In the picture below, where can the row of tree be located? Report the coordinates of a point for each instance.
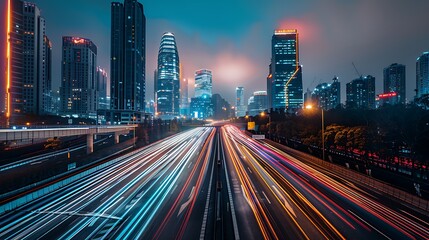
(389, 131)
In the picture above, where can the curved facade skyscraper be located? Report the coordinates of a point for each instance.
(168, 81)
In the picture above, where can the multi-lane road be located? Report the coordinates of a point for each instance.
(212, 183)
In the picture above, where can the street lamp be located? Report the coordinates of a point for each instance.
(323, 130)
(269, 123)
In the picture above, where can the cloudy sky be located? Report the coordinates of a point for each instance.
(233, 37)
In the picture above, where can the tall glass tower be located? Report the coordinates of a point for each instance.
(422, 75)
(168, 78)
(240, 107)
(284, 84)
(128, 56)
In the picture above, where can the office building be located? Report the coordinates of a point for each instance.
(240, 107)
(168, 78)
(221, 108)
(201, 107)
(257, 103)
(184, 97)
(422, 75)
(394, 82)
(284, 82)
(127, 60)
(78, 78)
(203, 83)
(361, 93)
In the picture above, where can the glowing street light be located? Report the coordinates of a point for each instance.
(309, 107)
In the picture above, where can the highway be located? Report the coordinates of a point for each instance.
(123, 200)
(295, 201)
(212, 183)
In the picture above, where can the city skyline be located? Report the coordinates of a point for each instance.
(240, 49)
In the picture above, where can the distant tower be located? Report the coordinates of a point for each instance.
(422, 75)
(394, 81)
(327, 95)
(168, 82)
(102, 89)
(240, 107)
(203, 83)
(78, 77)
(128, 57)
(284, 83)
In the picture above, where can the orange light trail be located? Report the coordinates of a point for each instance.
(8, 60)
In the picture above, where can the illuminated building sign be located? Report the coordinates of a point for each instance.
(285, 31)
(78, 40)
(387, 95)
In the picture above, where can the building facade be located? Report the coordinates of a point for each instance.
(128, 58)
(394, 81)
(203, 83)
(184, 97)
(168, 78)
(28, 70)
(78, 78)
(240, 107)
(257, 103)
(422, 75)
(360, 93)
(221, 108)
(284, 82)
(327, 95)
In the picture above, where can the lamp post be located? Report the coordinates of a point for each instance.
(323, 130)
(269, 123)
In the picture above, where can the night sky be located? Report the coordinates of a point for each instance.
(233, 38)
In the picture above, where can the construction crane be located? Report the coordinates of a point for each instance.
(357, 72)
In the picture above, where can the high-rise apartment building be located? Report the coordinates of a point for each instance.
(394, 81)
(203, 83)
(168, 78)
(284, 83)
(422, 75)
(28, 70)
(361, 93)
(78, 78)
(128, 59)
(327, 95)
(240, 107)
(184, 97)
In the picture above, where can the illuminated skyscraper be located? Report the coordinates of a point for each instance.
(28, 61)
(394, 81)
(128, 58)
(240, 107)
(168, 82)
(203, 83)
(257, 103)
(78, 78)
(284, 83)
(101, 77)
(422, 75)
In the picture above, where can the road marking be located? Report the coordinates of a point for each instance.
(206, 210)
(34, 163)
(189, 164)
(184, 205)
(266, 197)
(249, 170)
(286, 203)
(384, 235)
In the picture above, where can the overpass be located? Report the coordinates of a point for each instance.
(64, 131)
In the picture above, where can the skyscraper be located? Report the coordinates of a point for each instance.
(203, 83)
(327, 95)
(168, 82)
(128, 58)
(184, 96)
(422, 75)
(14, 76)
(240, 107)
(361, 93)
(394, 81)
(78, 78)
(101, 76)
(284, 83)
